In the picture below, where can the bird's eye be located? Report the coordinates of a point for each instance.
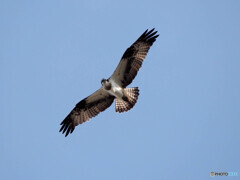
(102, 81)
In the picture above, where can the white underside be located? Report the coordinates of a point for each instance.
(116, 90)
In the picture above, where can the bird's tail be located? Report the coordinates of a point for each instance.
(128, 101)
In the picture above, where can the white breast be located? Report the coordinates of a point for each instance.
(116, 90)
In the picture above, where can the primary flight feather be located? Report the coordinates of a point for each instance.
(113, 87)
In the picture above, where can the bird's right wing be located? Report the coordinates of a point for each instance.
(86, 109)
(133, 58)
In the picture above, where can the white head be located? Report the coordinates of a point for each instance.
(106, 84)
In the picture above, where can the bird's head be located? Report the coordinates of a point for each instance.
(103, 81)
(106, 84)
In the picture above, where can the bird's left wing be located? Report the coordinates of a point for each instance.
(86, 109)
(133, 57)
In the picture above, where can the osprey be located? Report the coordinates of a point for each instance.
(113, 87)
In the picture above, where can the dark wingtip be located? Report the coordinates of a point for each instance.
(67, 126)
(149, 36)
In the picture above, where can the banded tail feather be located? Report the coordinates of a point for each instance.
(131, 99)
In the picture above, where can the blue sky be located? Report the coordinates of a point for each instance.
(55, 53)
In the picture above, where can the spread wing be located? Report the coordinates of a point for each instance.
(86, 109)
(133, 57)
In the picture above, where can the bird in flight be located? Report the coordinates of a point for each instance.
(113, 87)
